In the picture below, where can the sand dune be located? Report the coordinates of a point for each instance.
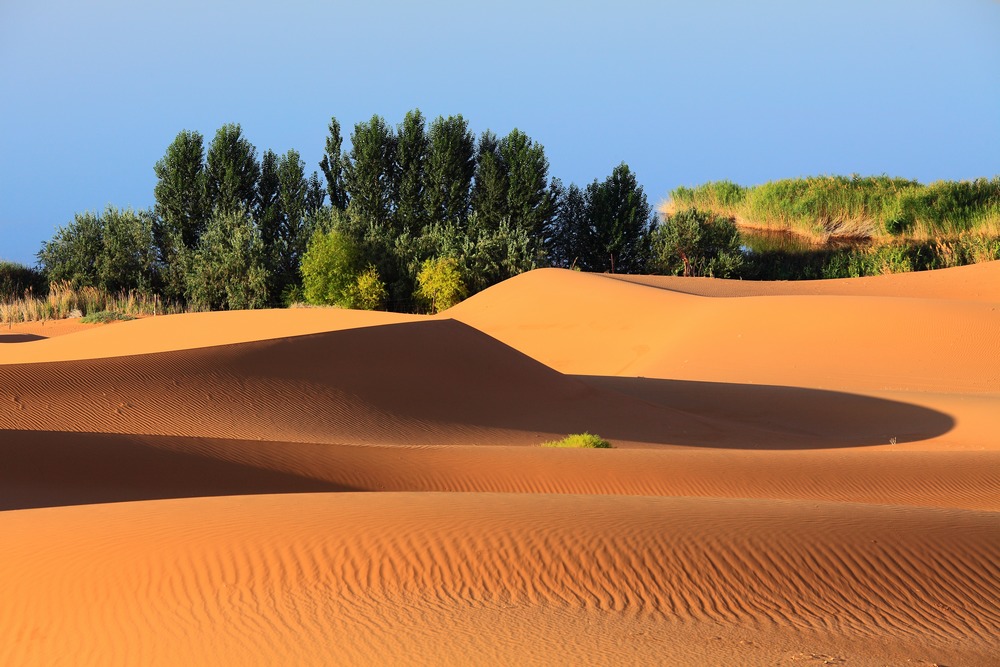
(805, 474)
(328, 578)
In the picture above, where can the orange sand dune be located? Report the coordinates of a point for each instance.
(805, 474)
(323, 579)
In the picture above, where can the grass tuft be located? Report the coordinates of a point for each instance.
(579, 441)
(105, 316)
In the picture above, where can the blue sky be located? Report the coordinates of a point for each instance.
(92, 93)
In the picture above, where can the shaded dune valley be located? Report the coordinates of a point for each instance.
(802, 474)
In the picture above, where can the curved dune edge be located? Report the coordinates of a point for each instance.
(975, 282)
(325, 578)
(434, 382)
(187, 331)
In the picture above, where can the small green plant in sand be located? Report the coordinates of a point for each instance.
(105, 316)
(579, 441)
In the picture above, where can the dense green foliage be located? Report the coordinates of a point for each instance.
(579, 441)
(113, 251)
(16, 280)
(439, 284)
(696, 243)
(329, 268)
(856, 206)
(229, 270)
(604, 228)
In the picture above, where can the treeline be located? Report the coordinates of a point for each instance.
(876, 207)
(230, 229)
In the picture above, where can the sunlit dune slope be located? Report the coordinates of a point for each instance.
(586, 324)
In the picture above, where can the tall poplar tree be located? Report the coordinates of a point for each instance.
(370, 173)
(232, 171)
(569, 229)
(411, 157)
(489, 193)
(268, 207)
(293, 193)
(182, 209)
(528, 199)
(619, 217)
(332, 166)
(450, 167)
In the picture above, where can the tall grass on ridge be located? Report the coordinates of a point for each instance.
(855, 206)
(64, 301)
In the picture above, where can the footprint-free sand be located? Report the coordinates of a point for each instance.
(804, 473)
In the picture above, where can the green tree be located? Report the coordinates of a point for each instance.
(450, 167)
(618, 217)
(528, 198)
(411, 156)
(332, 166)
(439, 284)
(370, 173)
(71, 254)
(17, 279)
(232, 171)
(315, 195)
(128, 256)
(268, 207)
(569, 230)
(113, 251)
(291, 239)
(489, 192)
(229, 270)
(697, 243)
(181, 209)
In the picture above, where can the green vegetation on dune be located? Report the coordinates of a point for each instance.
(579, 441)
(855, 206)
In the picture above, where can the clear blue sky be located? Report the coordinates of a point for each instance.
(91, 93)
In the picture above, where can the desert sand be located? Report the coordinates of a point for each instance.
(803, 474)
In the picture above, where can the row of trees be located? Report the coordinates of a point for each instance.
(229, 230)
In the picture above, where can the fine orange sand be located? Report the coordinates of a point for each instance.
(804, 474)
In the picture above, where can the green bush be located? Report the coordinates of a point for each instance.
(579, 441)
(368, 291)
(17, 279)
(696, 243)
(329, 269)
(439, 284)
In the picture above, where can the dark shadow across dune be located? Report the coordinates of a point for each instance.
(431, 382)
(48, 469)
(19, 338)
